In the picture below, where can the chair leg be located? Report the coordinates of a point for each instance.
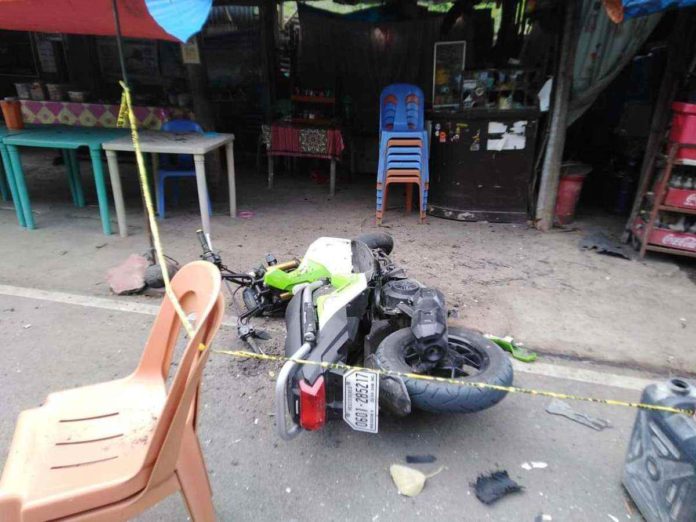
(421, 203)
(77, 177)
(193, 478)
(409, 197)
(160, 196)
(71, 174)
(177, 191)
(380, 212)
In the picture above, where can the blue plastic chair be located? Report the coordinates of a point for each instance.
(401, 118)
(176, 165)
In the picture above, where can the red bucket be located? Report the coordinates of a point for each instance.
(684, 128)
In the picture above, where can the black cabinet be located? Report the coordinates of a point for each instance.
(481, 164)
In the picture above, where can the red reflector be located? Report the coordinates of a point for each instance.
(312, 404)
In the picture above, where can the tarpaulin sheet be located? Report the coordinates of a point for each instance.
(619, 10)
(154, 19)
(604, 48)
(359, 58)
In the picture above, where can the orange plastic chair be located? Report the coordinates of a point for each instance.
(409, 177)
(109, 451)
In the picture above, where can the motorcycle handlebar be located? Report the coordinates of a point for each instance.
(203, 240)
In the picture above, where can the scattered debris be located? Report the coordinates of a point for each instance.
(613, 517)
(558, 407)
(495, 486)
(420, 459)
(409, 481)
(129, 276)
(515, 349)
(534, 465)
(245, 214)
(288, 490)
(604, 245)
(543, 517)
(26, 326)
(100, 245)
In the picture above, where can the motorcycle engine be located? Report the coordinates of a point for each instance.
(398, 291)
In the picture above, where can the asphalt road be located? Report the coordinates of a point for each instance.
(334, 474)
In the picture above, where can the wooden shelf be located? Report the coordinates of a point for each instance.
(300, 98)
(680, 210)
(665, 250)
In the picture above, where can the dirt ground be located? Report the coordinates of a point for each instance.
(502, 278)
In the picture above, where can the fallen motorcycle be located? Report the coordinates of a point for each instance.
(350, 304)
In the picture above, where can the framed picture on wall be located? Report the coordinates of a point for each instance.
(448, 66)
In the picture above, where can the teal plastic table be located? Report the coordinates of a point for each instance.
(68, 139)
(6, 177)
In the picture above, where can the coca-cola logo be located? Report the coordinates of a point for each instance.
(690, 200)
(685, 242)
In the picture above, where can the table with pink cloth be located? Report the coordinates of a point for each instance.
(284, 138)
(96, 114)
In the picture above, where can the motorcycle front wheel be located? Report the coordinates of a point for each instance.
(471, 358)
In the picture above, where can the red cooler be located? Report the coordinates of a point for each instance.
(684, 128)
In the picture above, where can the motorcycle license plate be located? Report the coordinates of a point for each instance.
(360, 400)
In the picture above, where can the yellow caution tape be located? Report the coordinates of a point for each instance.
(127, 109)
(457, 382)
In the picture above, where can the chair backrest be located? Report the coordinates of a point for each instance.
(179, 161)
(197, 286)
(182, 126)
(402, 108)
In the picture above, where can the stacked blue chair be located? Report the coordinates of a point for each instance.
(176, 165)
(403, 146)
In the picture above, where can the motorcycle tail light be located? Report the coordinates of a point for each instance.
(312, 404)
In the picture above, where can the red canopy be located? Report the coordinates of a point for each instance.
(81, 17)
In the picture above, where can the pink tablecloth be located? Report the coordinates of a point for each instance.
(95, 114)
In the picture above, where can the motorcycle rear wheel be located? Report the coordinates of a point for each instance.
(485, 363)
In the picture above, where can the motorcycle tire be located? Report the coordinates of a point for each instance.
(380, 240)
(443, 397)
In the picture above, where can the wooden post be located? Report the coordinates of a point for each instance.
(268, 34)
(551, 170)
(198, 86)
(204, 113)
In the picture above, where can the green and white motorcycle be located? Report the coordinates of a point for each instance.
(347, 302)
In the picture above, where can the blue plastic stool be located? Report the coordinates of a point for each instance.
(182, 165)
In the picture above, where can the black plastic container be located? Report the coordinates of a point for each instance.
(660, 468)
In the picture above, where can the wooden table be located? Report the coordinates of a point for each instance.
(157, 142)
(68, 139)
